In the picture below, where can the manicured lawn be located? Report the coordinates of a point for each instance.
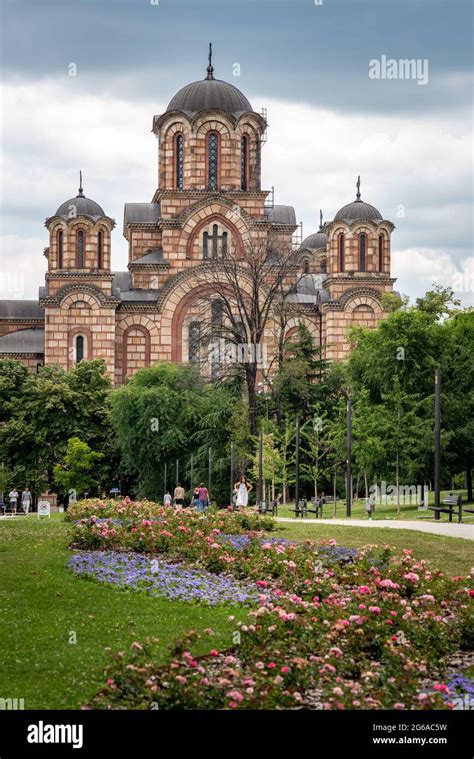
(41, 603)
(384, 511)
(453, 555)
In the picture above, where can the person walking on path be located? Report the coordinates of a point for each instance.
(13, 496)
(179, 495)
(167, 500)
(243, 490)
(26, 500)
(195, 498)
(203, 500)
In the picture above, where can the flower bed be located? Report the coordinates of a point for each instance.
(161, 579)
(336, 627)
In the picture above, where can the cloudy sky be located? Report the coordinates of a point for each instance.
(306, 61)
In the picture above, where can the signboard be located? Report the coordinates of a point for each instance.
(44, 509)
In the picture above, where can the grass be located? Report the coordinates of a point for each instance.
(455, 556)
(41, 604)
(385, 511)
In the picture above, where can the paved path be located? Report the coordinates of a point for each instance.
(449, 530)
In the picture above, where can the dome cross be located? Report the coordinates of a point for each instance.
(210, 68)
(81, 191)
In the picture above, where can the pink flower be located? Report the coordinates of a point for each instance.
(374, 609)
(441, 688)
(285, 670)
(214, 652)
(411, 576)
(364, 589)
(271, 665)
(399, 705)
(259, 665)
(235, 695)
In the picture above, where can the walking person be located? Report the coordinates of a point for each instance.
(243, 490)
(167, 500)
(26, 500)
(195, 498)
(179, 495)
(13, 496)
(203, 500)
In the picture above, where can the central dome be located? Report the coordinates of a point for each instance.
(209, 93)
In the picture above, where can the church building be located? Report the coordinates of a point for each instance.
(209, 200)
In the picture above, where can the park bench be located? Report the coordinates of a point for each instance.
(301, 510)
(317, 509)
(272, 508)
(451, 503)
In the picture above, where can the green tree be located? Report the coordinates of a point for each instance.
(75, 473)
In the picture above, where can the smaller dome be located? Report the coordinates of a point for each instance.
(83, 206)
(315, 241)
(358, 210)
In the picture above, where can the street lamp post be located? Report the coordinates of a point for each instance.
(349, 459)
(232, 467)
(437, 443)
(297, 466)
(209, 478)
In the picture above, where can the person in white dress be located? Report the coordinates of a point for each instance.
(243, 489)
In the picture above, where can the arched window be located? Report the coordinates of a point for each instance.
(215, 240)
(179, 157)
(100, 250)
(60, 248)
(194, 338)
(323, 266)
(79, 348)
(362, 251)
(380, 252)
(341, 252)
(80, 249)
(217, 310)
(244, 148)
(306, 266)
(215, 245)
(212, 161)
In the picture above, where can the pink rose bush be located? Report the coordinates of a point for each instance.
(335, 627)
